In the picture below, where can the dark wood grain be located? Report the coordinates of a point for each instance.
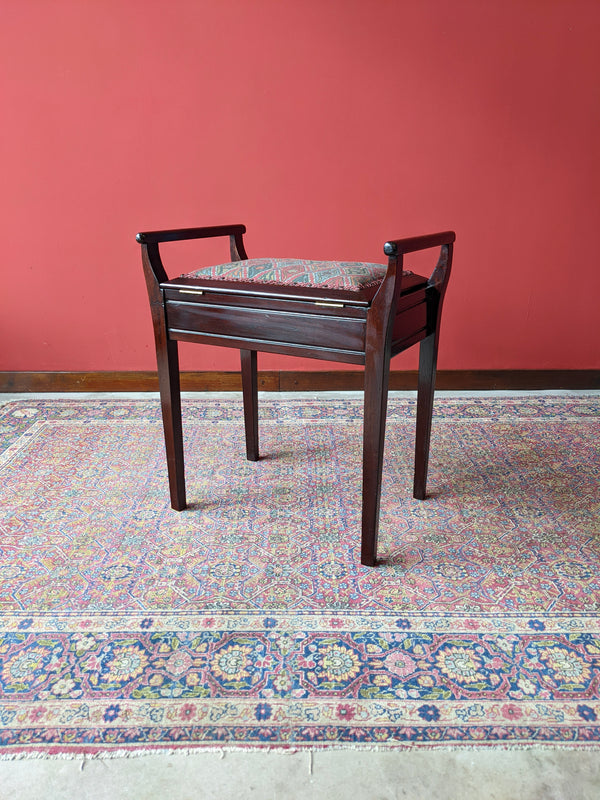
(242, 324)
(168, 376)
(428, 351)
(182, 234)
(293, 381)
(250, 395)
(383, 323)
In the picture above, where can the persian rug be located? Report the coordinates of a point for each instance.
(248, 621)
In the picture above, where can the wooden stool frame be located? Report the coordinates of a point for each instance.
(367, 327)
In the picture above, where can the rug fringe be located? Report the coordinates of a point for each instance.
(276, 750)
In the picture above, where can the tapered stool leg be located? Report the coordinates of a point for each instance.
(377, 370)
(426, 389)
(170, 398)
(250, 394)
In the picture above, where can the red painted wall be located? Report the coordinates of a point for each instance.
(327, 127)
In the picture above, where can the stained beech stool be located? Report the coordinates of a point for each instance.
(354, 312)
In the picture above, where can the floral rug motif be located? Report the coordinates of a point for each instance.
(248, 621)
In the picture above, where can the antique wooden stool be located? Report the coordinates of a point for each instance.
(354, 312)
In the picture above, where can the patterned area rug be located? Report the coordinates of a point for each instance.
(247, 620)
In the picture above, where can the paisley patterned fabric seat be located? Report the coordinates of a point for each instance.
(348, 275)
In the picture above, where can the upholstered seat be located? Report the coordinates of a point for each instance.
(349, 311)
(350, 275)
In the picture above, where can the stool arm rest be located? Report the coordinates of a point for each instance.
(390, 289)
(398, 247)
(179, 234)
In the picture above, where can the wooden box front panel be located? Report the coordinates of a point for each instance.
(314, 329)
